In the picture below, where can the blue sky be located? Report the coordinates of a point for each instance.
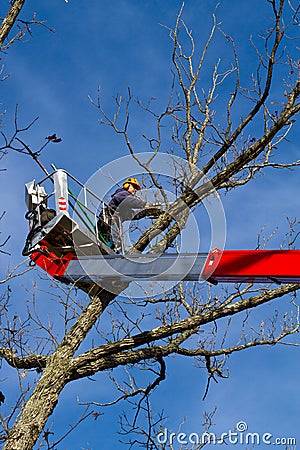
(116, 45)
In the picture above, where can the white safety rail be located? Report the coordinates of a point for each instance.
(76, 214)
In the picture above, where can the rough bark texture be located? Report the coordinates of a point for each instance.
(10, 19)
(178, 319)
(61, 368)
(56, 375)
(39, 406)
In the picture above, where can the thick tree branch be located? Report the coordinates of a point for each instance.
(91, 364)
(195, 129)
(189, 325)
(10, 19)
(26, 362)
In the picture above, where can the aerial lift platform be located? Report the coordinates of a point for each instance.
(73, 251)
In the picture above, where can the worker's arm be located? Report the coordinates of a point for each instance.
(134, 202)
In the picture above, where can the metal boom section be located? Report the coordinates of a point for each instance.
(70, 251)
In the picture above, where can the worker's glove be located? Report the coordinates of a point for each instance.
(154, 205)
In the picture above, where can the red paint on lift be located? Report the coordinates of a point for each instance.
(54, 265)
(228, 266)
(253, 265)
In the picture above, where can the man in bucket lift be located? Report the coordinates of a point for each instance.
(122, 207)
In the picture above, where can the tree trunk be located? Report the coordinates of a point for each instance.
(39, 406)
(56, 375)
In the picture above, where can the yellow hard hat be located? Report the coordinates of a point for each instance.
(132, 181)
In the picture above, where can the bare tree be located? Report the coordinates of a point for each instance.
(231, 156)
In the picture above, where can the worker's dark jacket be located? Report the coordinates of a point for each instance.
(124, 204)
